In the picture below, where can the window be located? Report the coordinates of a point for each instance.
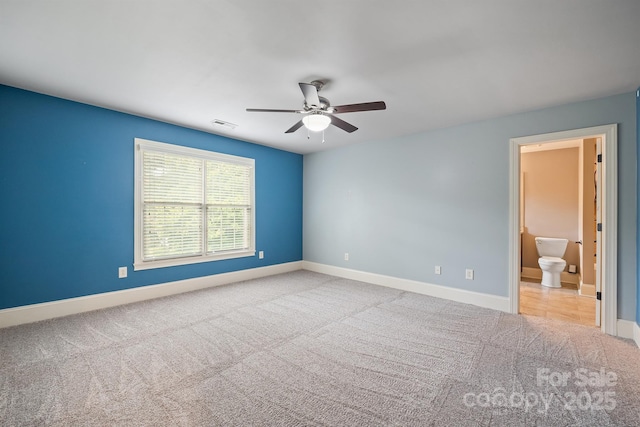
(191, 205)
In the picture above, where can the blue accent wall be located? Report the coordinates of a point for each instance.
(66, 192)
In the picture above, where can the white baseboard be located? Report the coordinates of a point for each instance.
(49, 310)
(625, 329)
(454, 294)
(636, 334)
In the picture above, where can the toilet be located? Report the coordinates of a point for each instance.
(551, 251)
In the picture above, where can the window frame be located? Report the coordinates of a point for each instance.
(141, 145)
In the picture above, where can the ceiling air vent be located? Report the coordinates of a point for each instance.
(222, 123)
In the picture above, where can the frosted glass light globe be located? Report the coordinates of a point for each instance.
(316, 122)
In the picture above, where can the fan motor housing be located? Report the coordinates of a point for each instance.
(324, 104)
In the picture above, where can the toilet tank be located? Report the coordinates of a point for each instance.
(550, 246)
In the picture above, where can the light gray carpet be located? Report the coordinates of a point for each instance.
(309, 349)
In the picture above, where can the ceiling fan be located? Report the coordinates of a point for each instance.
(319, 113)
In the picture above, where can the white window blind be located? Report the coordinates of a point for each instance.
(228, 207)
(191, 205)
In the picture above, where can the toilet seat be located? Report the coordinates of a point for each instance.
(550, 260)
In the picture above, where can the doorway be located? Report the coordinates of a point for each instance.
(558, 200)
(607, 237)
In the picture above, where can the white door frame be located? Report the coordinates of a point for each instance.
(599, 193)
(609, 234)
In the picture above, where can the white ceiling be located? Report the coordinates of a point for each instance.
(435, 63)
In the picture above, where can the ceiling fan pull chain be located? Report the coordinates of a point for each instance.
(308, 135)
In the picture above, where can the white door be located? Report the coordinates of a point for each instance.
(598, 177)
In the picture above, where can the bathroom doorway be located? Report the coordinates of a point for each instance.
(598, 273)
(556, 178)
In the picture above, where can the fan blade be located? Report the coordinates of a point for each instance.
(294, 127)
(343, 125)
(266, 110)
(310, 95)
(365, 106)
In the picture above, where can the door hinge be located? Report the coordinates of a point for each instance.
(599, 158)
(599, 226)
(599, 296)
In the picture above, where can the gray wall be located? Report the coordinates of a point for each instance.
(401, 206)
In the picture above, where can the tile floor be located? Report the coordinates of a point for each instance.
(557, 303)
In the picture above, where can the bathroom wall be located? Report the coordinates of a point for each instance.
(550, 201)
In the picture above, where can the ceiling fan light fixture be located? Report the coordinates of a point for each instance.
(316, 122)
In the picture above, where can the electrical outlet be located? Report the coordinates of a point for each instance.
(122, 272)
(346, 256)
(261, 254)
(438, 270)
(469, 274)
